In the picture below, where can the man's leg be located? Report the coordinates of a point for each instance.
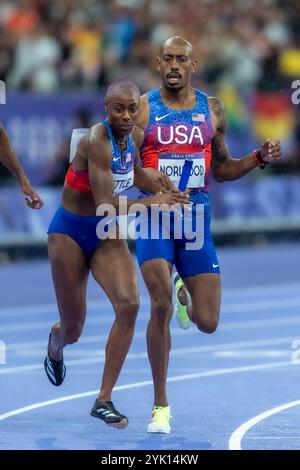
(113, 268)
(205, 300)
(157, 276)
(197, 284)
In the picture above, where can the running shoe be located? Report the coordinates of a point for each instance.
(180, 309)
(106, 411)
(161, 416)
(55, 370)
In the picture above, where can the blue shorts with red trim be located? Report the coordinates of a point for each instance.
(81, 228)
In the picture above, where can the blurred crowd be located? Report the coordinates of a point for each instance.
(249, 51)
(51, 44)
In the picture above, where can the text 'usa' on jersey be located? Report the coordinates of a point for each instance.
(174, 135)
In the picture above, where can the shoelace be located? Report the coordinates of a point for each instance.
(111, 407)
(158, 408)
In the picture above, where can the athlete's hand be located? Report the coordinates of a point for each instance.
(270, 151)
(160, 180)
(170, 197)
(33, 200)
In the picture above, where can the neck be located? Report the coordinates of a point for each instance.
(183, 97)
(119, 137)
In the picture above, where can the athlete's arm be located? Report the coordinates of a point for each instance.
(225, 168)
(101, 178)
(147, 179)
(9, 159)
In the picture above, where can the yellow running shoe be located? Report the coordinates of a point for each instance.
(180, 310)
(161, 416)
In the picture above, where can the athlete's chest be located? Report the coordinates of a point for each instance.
(189, 129)
(122, 167)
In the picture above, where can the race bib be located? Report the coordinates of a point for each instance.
(172, 165)
(123, 181)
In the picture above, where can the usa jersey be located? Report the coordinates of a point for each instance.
(174, 135)
(122, 165)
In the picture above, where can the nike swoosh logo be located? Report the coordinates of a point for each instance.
(115, 159)
(159, 118)
(215, 265)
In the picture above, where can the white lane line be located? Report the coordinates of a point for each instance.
(260, 323)
(99, 356)
(270, 289)
(264, 290)
(41, 309)
(237, 436)
(224, 326)
(104, 319)
(252, 353)
(263, 305)
(177, 378)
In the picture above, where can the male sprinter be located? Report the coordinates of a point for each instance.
(182, 123)
(9, 159)
(105, 161)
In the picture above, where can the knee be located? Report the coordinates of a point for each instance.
(208, 326)
(126, 311)
(72, 334)
(161, 309)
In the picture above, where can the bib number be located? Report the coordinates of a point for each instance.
(172, 166)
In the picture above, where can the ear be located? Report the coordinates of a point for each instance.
(194, 65)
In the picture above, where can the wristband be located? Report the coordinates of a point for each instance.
(258, 159)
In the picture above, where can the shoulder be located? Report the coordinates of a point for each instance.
(97, 132)
(215, 105)
(97, 136)
(2, 130)
(138, 135)
(143, 116)
(144, 100)
(96, 145)
(217, 111)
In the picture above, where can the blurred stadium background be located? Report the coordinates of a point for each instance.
(57, 57)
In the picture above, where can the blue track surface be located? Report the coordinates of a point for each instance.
(217, 382)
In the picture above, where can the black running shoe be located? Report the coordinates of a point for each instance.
(106, 411)
(55, 370)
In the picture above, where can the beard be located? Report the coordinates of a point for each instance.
(173, 88)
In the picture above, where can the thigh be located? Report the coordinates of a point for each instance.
(154, 249)
(70, 270)
(157, 276)
(191, 262)
(113, 268)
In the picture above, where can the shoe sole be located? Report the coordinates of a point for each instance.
(119, 425)
(159, 431)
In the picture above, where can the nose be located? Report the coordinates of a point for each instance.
(126, 116)
(174, 64)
